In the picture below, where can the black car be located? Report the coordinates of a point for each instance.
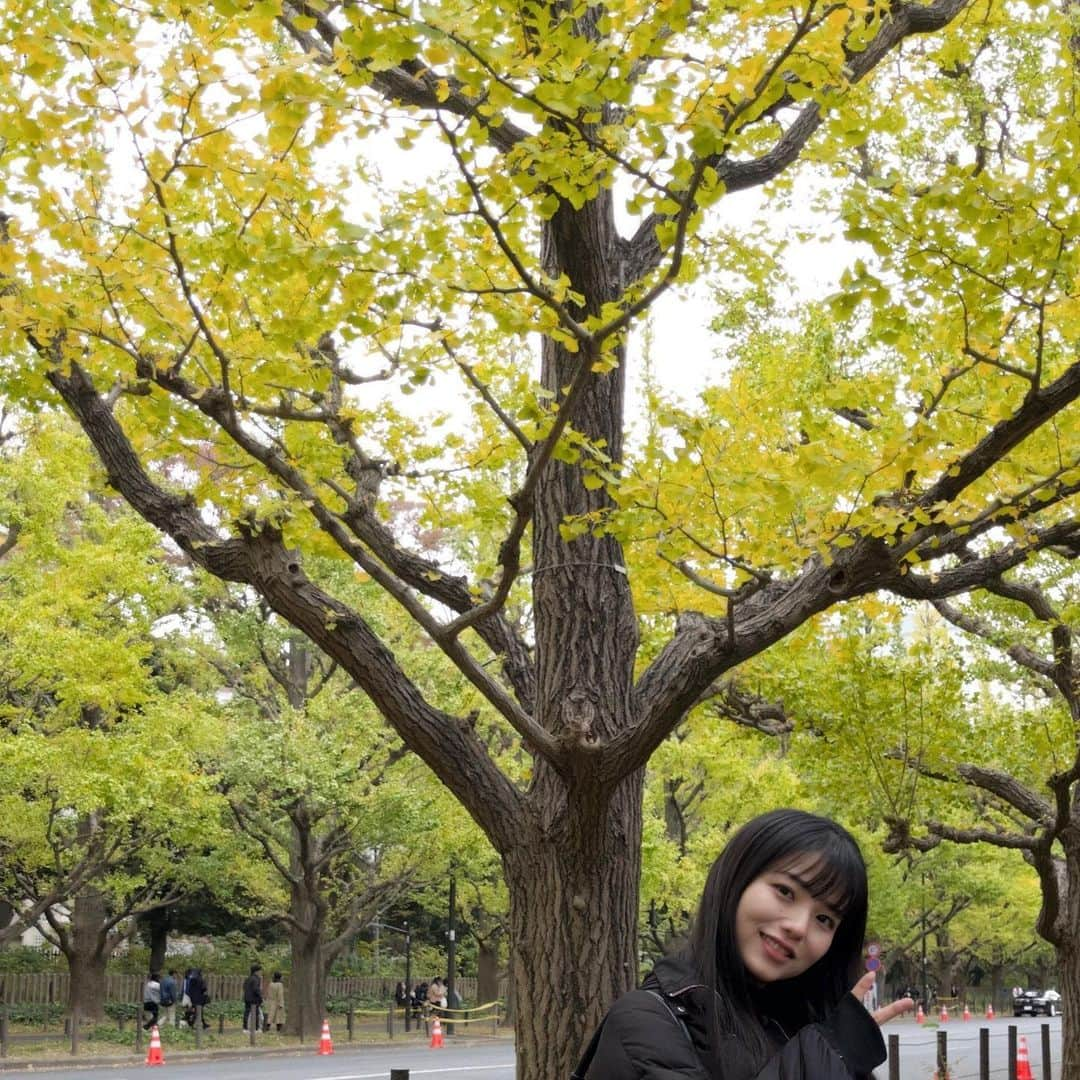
(1036, 1003)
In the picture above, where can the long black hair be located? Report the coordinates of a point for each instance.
(769, 842)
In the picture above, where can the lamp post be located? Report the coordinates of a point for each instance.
(925, 988)
(451, 951)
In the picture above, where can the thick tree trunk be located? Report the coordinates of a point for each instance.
(1069, 961)
(86, 998)
(1068, 955)
(305, 993)
(573, 916)
(157, 932)
(573, 874)
(487, 973)
(85, 952)
(7, 913)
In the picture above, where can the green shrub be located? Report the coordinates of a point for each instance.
(19, 958)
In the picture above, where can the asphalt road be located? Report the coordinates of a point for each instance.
(495, 1060)
(918, 1047)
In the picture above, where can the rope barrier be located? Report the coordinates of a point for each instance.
(486, 1019)
(475, 1008)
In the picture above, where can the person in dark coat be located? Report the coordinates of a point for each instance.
(768, 985)
(198, 996)
(253, 998)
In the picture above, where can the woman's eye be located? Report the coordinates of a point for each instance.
(784, 890)
(827, 921)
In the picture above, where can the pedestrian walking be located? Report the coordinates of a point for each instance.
(198, 997)
(275, 1014)
(252, 998)
(768, 984)
(170, 990)
(151, 1000)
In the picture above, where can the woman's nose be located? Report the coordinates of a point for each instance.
(796, 922)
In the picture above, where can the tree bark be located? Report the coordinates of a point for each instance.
(157, 931)
(487, 973)
(305, 992)
(1067, 948)
(559, 882)
(85, 948)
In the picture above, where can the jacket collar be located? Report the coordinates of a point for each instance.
(674, 976)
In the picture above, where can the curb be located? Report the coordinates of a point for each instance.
(183, 1057)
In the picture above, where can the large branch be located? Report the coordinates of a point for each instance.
(1021, 654)
(258, 558)
(903, 21)
(702, 649)
(397, 571)
(409, 83)
(1039, 406)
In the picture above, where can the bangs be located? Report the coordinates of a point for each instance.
(831, 875)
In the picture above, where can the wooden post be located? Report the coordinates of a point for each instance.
(349, 1021)
(390, 1022)
(74, 1021)
(198, 1027)
(1012, 1052)
(253, 1023)
(984, 1053)
(1047, 1075)
(221, 1024)
(942, 1054)
(3, 1030)
(894, 1057)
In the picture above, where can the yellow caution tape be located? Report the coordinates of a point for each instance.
(472, 1009)
(470, 1020)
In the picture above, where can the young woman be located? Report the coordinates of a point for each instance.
(768, 986)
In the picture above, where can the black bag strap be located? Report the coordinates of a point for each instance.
(594, 1042)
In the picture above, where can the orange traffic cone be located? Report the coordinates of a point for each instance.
(920, 1016)
(989, 1010)
(967, 1012)
(436, 1033)
(1023, 1066)
(326, 1044)
(943, 1017)
(154, 1055)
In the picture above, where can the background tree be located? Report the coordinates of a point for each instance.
(1011, 768)
(216, 294)
(316, 782)
(101, 800)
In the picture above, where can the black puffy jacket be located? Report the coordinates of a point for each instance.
(660, 1032)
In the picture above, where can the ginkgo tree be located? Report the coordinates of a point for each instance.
(320, 790)
(104, 811)
(203, 258)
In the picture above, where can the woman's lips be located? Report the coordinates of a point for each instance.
(776, 949)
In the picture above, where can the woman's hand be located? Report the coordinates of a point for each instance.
(886, 1012)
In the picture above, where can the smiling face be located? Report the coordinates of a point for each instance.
(781, 928)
